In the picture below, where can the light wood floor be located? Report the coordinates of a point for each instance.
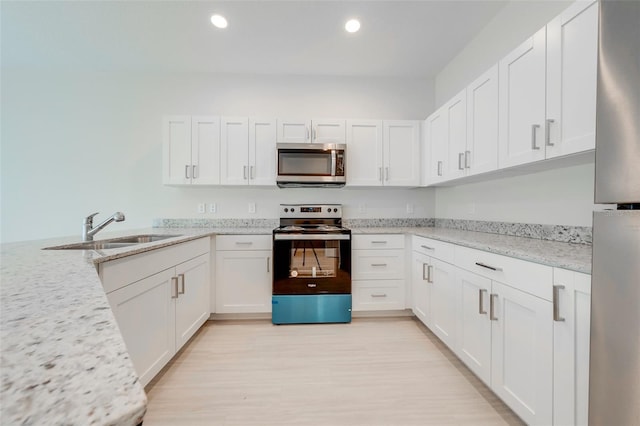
(374, 371)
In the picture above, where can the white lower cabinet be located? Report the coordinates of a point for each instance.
(444, 302)
(158, 313)
(243, 273)
(571, 329)
(421, 288)
(378, 264)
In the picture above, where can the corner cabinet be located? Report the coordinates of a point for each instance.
(191, 150)
(383, 153)
(159, 299)
(243, 274)
(247, 151)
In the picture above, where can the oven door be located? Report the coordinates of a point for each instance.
(311, 264)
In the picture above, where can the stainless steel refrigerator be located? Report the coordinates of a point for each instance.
(614, 371)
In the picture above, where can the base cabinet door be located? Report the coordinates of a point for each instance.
(192, 304)
(145, 314)
(421, 290)
(474, 328)
(522, 353)
(444, 302)
(571, 330)
(243, 281)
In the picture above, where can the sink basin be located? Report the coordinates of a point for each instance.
(113, 242)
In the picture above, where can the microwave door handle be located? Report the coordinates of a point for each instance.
(333, 162)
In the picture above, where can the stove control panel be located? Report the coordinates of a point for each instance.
(310, 211)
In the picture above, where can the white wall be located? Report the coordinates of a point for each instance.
(75, 143)
(563, 196)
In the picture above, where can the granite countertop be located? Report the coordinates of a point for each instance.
(575, 257)
(62, 358)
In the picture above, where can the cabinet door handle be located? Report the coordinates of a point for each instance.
(174, 287)
(386, 173)
(379, 295)
(439, 168)
(460, 157)
(268, 264)
(181, 290)
(556, 303)
(380, 174)
(467, 159)
(306, 133)
(244, 172)
(481, 310)
(493, 268)
(194, 171)
(425, 269)
(186, 172)
(252, 172)
(429, 273)
(314, 134)
(534, 128)
(378, 264)
(547, 131)
(492, 303)
(427, 247)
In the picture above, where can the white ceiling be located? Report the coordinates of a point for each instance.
(397, 38)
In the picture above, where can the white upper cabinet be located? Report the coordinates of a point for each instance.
(401, 152)
(248, 151)
(481, 154)
(262, 151)
(522, 103)
(456, 112)
(548, 89)
(436, 128)
(364, 152)
(383, 153)
(316, 131)
(191, 150)
(572, 56)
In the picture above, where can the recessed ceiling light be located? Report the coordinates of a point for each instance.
(219, 21)
(352, 25)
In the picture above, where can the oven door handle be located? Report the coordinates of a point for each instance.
(324, 237)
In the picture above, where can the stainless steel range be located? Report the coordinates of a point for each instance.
(311, 265)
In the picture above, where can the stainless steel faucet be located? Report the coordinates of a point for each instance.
(88, 231)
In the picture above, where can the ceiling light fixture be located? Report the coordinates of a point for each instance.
(352, 25)
(219, 21)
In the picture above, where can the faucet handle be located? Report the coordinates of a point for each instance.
(89, 219)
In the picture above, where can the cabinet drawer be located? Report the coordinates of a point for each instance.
(244, 242)
(529, 277)
(378, 295)
(378, 241)
(377, 264)
(434, 248)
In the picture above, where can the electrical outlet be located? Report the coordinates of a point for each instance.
(212, 208)
(252, 207)
(362, 208)
(201, 208)
(409, 208)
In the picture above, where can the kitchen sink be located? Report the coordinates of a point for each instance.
(113, 242)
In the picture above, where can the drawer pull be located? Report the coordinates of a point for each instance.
(378, 242)
(492, 303)
(244, 242)
(493, 268)
(427, 247)
(378, 264)
(312, 285)
(379, 295)
(481, 310)
(556, 303)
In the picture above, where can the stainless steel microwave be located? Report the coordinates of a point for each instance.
(311, 164)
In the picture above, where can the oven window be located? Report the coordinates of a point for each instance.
(314, 259)
(304, 163)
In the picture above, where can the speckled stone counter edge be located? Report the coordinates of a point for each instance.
(561, 233)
